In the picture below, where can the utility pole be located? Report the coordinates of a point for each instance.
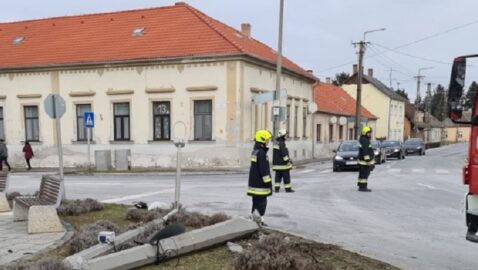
(398, 85)
(358, 105)
(390, 77)
(277, 102)
(361, 51)
(417, 99)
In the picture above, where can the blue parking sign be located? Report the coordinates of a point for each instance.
(89, 119)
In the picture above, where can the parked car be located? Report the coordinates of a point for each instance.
(379, 152)
(414, 146)
(346, 156)
(394, 149)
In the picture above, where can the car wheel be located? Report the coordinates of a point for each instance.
(379, 161)
(335, 169)
(400, 156)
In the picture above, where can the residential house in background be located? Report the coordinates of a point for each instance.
(150, 76)
(456, 133)
(335, 118)
(383, 102)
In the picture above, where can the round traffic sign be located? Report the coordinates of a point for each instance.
(52, 101)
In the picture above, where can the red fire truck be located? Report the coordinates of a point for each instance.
(456, 100)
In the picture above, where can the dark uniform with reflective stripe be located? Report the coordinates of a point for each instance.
(366, 161)
(260, 181)
(281, 164)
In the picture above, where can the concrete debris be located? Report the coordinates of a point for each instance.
(234, 248)
(157, 205)
(175, 246)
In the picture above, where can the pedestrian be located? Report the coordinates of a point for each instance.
(4, 155)
(260, 181)
(366, 159)
(281, 162)
(28, 152)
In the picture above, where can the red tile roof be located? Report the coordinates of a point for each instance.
(169, 32)
(334, 100)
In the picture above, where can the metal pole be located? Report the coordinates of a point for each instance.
(359, 88)
(278, 69)
(88, 135)
(58, 142)
(178, 177)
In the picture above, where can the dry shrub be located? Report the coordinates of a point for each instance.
(195, 219)
(79, 207)
(88, 235)
(276, 253)
(13, 195)
(46, 264)
(134, 214)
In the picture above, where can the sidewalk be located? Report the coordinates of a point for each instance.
(16, 243)
(162, 171)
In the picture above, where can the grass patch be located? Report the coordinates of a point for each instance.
(112, 212)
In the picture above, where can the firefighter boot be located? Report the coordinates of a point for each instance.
(276, 189)
(289, 190)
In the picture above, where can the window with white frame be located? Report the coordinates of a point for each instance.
(161, 121)
(304, 122)
(296, 121)
(203, 120)
(32, 132)
(121, 121)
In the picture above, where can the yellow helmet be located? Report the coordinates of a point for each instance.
(263, 135)
(366, 130)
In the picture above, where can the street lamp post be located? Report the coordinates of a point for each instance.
(361, 51)
(277, 101)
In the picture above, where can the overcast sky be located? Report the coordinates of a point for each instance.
(318, 33)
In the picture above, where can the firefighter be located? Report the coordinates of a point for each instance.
(366, 159)
(260, 181)
(281, 162)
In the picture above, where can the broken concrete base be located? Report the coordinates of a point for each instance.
(43, 219)
(20, 212)
(4, 206)
(180, 244)
(80, 260)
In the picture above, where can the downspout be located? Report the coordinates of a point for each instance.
(314, 136)
(389, 120)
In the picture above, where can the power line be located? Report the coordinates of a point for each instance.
(413, 42)
(413, 56)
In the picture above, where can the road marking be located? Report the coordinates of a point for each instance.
(427, 186)
(326, 171)
(418, 170)
(137, 196)
(394, 170)
(441, 171)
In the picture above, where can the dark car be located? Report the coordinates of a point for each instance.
(394, 149)
(346, 156)
(414, 146)
(379, 152)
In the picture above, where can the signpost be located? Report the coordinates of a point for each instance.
(89, 123)
(55, 108)
(179, 142)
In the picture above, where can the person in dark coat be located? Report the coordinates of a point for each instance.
(4, 155)
(366, 159)
(260, 181)
(28, 152)
(281, 162)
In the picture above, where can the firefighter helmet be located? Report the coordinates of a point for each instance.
(282, 132)
(366, 130)
(262, 136)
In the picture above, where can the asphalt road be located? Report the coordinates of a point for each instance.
(413, 218)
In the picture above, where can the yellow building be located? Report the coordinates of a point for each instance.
(383, 102)
(150, 76)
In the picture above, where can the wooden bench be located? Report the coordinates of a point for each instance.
(4, 206)
(40, 210)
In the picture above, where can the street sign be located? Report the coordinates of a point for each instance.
(89, 118)
(269, 96)
(52, 101)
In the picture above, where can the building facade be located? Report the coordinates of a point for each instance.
(335, 118)
(383, 102)
(198, 89)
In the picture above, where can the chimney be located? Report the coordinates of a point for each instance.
(354, 68)
(328, 80)
(310, 71)
(370, 72)
(246, 29)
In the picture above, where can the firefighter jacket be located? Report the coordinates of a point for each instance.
(280, 156)
(260, 181)
(366, 153)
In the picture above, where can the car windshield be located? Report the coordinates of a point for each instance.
(348, 147)
(412, 142)
(375, 144)
(391, 143)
